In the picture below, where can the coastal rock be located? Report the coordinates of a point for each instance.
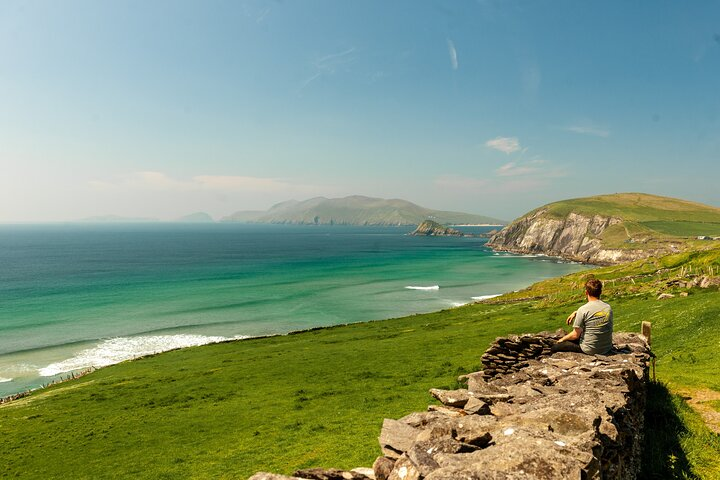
(434, 229)
(573, 237)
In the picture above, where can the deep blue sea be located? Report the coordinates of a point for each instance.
(74, 296)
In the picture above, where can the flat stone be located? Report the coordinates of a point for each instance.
(396, 437)
(449, 411)
(451, 398)
(476, 406)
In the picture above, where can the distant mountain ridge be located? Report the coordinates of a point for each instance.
(610, 229)
(356, 210)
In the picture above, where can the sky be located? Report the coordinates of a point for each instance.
(164, 108)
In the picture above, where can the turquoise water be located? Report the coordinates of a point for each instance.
(74, 296)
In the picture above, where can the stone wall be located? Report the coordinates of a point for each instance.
(529, 415)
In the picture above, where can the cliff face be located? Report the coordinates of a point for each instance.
(574, 237)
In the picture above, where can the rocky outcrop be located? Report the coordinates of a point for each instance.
(430, 228)
(530, 415)
(574, 237)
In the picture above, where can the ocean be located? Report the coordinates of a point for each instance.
(74, 296)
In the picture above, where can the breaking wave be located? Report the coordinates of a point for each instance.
(485, 297)
(432, 287)
(116, 350)
(4, 380)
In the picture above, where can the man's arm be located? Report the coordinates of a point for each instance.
(574, 335)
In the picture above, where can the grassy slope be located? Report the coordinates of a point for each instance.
(644, 215)
(318, 398)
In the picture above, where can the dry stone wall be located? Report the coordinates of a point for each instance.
(530, 414)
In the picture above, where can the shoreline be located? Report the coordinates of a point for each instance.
(79, 373)
(73, 374)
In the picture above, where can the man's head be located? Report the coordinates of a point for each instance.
(593, 288)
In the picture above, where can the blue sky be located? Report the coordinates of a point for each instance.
(162, 108)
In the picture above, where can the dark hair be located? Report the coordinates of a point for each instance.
(594, 287)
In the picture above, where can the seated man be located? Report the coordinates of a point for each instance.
(592, 325)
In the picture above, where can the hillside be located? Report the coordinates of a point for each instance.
(611, 229)
(356, 210)
(317, 398)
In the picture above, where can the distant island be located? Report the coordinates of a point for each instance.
(434, 229)
(357, 210)
(197, 217)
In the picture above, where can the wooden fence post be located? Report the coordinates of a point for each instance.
(646, 331)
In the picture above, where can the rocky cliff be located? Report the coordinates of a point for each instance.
(430, 228)
(575, 237)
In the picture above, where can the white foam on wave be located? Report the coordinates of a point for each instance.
(116, 350)
(485, 297)
(458, 304)
(5, 380)
(432, 287)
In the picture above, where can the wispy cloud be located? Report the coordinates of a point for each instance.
(453, 54)
(512, 169)
(588, 130)
(504, 144)
(328, 65)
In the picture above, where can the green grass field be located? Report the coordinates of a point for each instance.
(318, 398)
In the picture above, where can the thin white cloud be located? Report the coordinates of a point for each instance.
(588, 130)
(504, 144)
(513, 170)
(328, 65)
(453, 54)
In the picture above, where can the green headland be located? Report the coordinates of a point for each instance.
(317, 398)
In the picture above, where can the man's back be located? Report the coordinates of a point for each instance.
(596, 320)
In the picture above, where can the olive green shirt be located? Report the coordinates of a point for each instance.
(596, 320)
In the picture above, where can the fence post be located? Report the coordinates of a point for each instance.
(646, 331)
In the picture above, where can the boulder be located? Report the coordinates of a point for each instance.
(382, 467)
(404, 469)
(396, 437)
(475, 406)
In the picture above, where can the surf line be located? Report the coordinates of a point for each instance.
(432, 287)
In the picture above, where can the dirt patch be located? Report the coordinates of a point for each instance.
(700, 400)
